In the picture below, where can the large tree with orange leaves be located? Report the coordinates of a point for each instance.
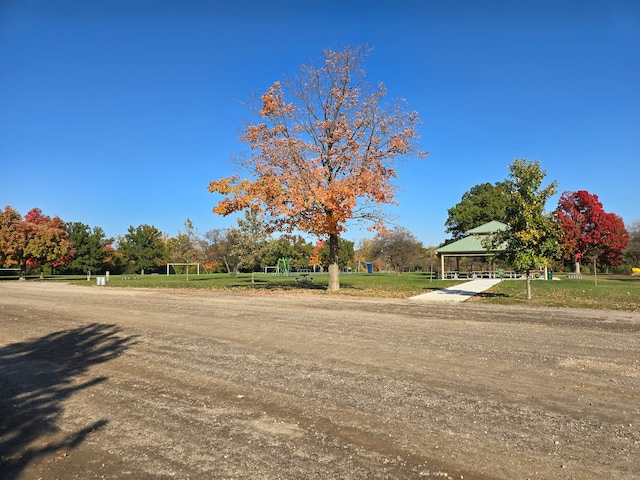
(323, 153)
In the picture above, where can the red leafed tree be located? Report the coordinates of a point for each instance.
(323, 153)
(34, 240)
(588, 232)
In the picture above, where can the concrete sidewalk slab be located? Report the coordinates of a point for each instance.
(458, 293)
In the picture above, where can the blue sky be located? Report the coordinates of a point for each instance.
(119, 112)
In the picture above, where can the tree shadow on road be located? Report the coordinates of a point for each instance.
(491, 295)
(36, 377)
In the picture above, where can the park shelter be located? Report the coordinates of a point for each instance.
(472, 244)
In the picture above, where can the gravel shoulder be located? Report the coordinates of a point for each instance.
(101, 382)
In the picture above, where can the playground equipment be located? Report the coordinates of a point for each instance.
(282, 270)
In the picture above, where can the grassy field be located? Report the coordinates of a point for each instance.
(611, 292)
(374, 285)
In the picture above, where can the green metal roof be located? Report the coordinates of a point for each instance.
(491, 227)
(472, 244)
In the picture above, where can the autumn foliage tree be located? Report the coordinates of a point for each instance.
(322, 153)
(588, 232)
(32, 241)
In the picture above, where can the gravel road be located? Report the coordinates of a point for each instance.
(101, 382)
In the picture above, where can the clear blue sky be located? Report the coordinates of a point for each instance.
(119, 112)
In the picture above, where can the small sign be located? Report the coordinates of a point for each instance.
(501, 272)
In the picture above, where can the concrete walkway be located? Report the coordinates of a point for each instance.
(458, 293)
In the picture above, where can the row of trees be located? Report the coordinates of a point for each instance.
(75, 248)
(584, 230)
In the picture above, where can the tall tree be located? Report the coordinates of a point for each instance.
(33, 241)
(144, 248)
(632, 251)
(531, 237)
(12, 240)
(481, 204)
(323, 153)
(588, 233)
(398, 248)
(615, 240)
(90, 246)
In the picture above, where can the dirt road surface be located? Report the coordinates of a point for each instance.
(100, 382)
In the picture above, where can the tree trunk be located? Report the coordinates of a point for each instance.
(334, 269)
(23, 271)
(577, 267)
(528, 285)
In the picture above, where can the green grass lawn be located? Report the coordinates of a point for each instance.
(611, 292)
(374, 285)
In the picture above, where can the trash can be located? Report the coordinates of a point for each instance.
(101, 281)
(550, 275)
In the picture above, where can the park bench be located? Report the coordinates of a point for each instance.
(133, 276)
(575, 276)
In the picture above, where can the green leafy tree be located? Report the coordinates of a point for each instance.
(253, 240)
(531, 239)
(144, 247)
(91, 249)
(481, 204)
(632, 252)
